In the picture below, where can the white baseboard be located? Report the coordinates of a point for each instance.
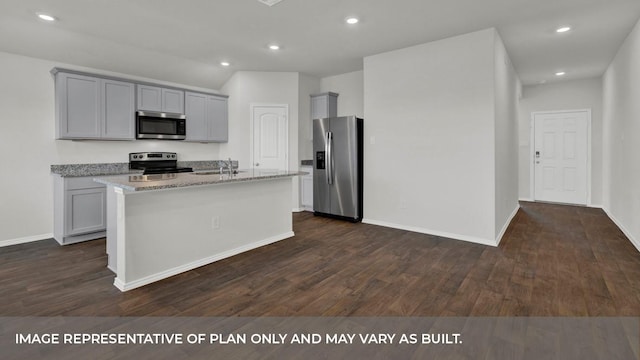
(24, 240)
(596, 206)
(467, 238)
(624, 230)
(126, 286)
(506, 225)
(295, 210)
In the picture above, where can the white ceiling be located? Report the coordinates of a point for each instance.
(184, 40)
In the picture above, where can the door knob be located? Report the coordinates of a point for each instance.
(257, 164)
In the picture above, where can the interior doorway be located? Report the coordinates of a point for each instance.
(270, 136)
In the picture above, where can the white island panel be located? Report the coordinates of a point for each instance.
(163, 233)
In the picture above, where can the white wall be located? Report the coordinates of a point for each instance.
(429, 138)
(507, 88)
(350, 87)
(308, 85)
(27, 132)
(621, 137)
(565, 95)
(256, 87)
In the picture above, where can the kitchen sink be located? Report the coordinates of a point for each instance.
(217, 172)
(214, 172)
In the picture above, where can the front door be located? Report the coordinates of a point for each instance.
(560, 157)
(270, 129)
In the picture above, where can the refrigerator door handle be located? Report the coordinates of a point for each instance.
(329, 159)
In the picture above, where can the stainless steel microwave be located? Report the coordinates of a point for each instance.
(158, 125)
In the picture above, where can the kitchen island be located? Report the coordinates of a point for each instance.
(162, 225)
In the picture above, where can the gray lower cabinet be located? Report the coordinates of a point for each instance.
(306, 188)
(94, 108)
(80, 209)
(207, 117)
(155, 98)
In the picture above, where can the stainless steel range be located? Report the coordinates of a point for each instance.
(156, 163)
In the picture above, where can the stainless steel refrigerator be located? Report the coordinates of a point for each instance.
(337, 167)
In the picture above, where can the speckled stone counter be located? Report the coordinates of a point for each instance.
(139, 182)
(74, 170)
(207, 165)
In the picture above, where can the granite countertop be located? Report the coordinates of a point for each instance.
(137, 182)
(75, 170)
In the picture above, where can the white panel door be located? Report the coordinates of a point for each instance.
(270, 128)
(560, 157)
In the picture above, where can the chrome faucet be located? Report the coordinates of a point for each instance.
(230, 167)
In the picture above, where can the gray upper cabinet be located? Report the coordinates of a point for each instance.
(149, 98)
(196, 112)
(118, 111)
(155, 98)
(93, 108)
(217, 113)
(207, 117)
(324, 105)
(173, 101)
(78, 104)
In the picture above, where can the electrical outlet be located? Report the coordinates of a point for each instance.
(215, 222)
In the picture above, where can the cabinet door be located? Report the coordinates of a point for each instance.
(324, 105)
(149, 98)
(196, 112)
(319, 107)
(218, 119)
(85, 211)
(173, 101)
(307, 191)
(118, 121)
(78, 102)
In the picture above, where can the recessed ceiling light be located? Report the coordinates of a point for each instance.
(270, 2)
(225, 63)
(352, 20)
(563, 29)
(46, 17)
(274, 47)
(560, 73)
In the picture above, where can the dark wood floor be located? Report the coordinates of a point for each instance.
(553, 261)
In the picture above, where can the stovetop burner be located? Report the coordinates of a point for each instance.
(156, 163)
